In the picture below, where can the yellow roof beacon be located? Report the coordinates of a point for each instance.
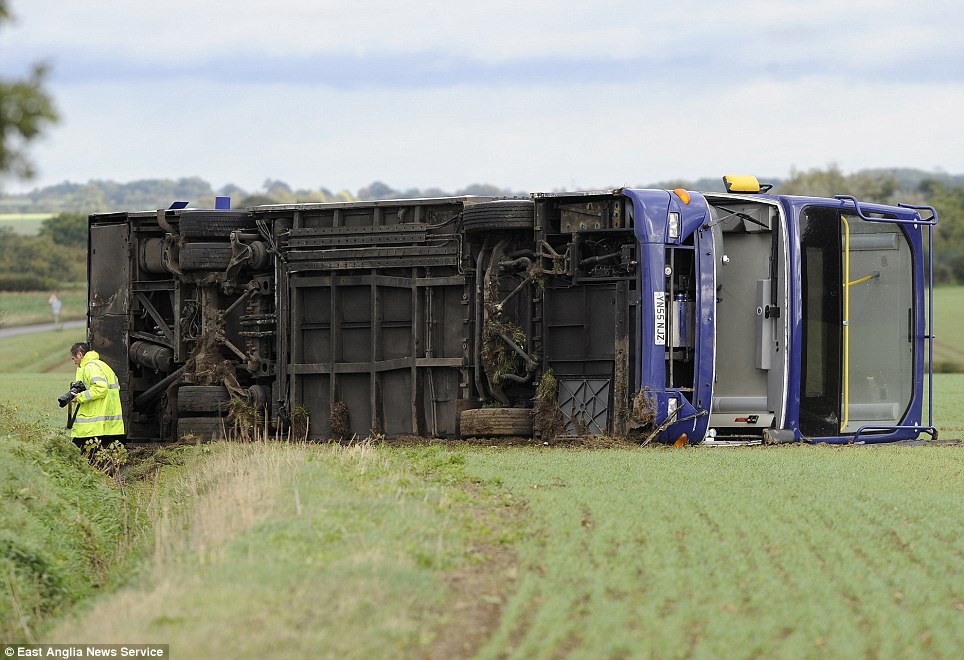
(744, 184)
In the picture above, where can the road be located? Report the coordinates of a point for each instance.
(43, 327)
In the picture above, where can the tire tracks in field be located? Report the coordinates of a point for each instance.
(914, 537)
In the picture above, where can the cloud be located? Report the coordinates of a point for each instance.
(441, 69)
(530, 95)
(540, 138)
(370, 43)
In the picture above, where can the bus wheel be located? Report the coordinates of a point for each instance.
(491, 422)
(202, 398)
(203, 428)
(204, 224)
(204, 256)
(498, 215)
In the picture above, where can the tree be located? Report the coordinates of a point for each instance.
(256, 200)
(68, 229)
(25, 111)
(949, 235)
(865, 186)
(40, 257)
(278, 190)
(232, 191)
(482, 189)
(377, 190)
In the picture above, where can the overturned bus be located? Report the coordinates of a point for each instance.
(670, 316)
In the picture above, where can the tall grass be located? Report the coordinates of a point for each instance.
(290, 550)
(61, 526)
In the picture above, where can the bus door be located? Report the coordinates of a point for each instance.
(749, 392)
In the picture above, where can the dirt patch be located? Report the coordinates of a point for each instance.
(479, 591)
(144, 459)
(478, 595)
(644, 411)
(642, 418)
(586, 442)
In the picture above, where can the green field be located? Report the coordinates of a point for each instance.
(776, 553)
(279, 550)
(40, 352)
(949, 326)
(27, 224)
(32, 307)
(315, 550)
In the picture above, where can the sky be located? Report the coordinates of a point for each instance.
(531, 95)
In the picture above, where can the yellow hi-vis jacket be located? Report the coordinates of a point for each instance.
(99, 406)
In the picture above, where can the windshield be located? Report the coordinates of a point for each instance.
(857, 302)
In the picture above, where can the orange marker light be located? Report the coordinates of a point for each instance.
(683, 195)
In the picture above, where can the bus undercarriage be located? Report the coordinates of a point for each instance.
(646, 314)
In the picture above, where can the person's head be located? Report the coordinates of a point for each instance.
(78, 350)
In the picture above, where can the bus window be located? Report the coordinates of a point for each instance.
(880, 351)
(861, 377)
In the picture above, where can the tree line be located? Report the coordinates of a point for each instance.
(98, 196)
(58, 252)
(56, 256)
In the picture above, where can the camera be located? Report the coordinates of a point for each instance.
(76, 387)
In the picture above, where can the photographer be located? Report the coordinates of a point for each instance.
(95, 407)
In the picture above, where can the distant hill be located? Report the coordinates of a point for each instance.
(97, 196)
(102, 196)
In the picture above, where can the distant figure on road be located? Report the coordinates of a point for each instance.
(55, 305)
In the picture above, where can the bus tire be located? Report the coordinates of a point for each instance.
(202, 428)
(493, 422)
(202, 399)
(498, 215)
(204, 256)
(219, 224)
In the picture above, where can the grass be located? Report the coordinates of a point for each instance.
(786, 552)
(288, 550)
(301, 550)
(282, 550)
(948, 414)
(949, 326)
(35, 397)
(31, 307)
(27, 224)
(39, 352)
(61, 526)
